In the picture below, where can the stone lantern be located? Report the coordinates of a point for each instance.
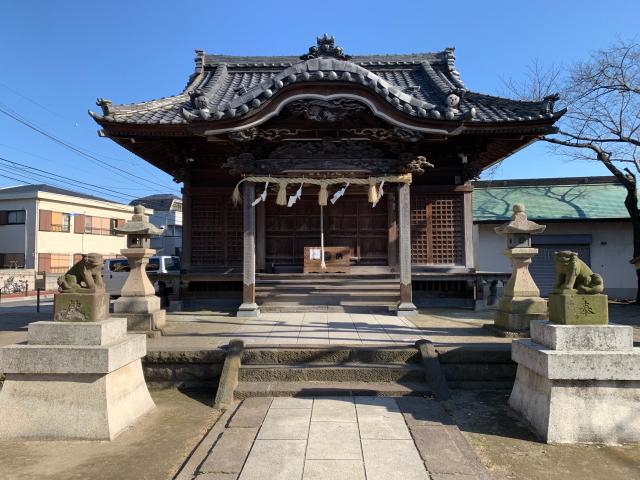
(138, 301)
(521, 300)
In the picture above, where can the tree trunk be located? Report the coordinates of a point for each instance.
(631, 202)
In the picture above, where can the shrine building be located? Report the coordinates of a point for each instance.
(302, 169)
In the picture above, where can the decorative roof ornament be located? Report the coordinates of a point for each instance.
(549, 103)
(325, 48)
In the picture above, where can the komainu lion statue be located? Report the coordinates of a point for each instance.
(572, 274)
(84, 277)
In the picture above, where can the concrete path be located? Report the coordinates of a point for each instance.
(328, 329)
(355, 438)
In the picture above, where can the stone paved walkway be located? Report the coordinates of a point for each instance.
(336, 438)
(328, 329)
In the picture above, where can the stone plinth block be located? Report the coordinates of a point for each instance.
(248, 310)
(142, 313)
(577, 365)
(587, 390)
(406, 309)
(146, 304)
(87, 391)
(582, 337)
(146, 322)
(578, 309)
(102, 332)
(516, 313)
(73, 406)
(72, 359)
(80, 307)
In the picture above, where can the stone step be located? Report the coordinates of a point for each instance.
(341, 372)
(307, 389)
(328, 355)
(333, 299)
(342, 289)
(293, 307)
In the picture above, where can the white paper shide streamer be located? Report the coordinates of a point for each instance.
(263, 196)
(339, 194)
(295, 197)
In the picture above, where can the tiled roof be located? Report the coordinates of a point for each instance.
(224, 87)
(158, 202)
(597, 198)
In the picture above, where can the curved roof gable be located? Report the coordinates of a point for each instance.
(425, 86)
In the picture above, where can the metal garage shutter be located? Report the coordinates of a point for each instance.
(543, 269)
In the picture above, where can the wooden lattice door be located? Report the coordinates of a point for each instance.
(437, 229)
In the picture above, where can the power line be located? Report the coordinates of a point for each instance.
(55, 176)
(87, 171)
(19, 118)
(74, 183)
(94, 199)
(19, 94)
(15, 92)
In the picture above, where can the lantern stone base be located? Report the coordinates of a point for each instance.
(143, 314)
(514, 314)
(73, 381)
(80, 307)
(248, 310)
(579, 384)
(406, 309)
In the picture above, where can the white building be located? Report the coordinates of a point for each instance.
(167, 214)
(583, 214)
(48, 228)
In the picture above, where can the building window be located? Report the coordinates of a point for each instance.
(12, 217)
(11, 260)
(173, 231)
(101, 225)
(176, 207)
(15, 217)
(53, 262)
(54, 221)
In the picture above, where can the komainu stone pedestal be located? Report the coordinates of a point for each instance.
(73, 381)
(578, 309)
(579, 383)
(80, 307)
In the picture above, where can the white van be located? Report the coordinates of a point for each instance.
(116, 270)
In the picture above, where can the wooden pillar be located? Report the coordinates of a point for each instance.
(469, 261)
(249, 308)
(406, 306)
(260, 237)
(392, 224)
(185, 257)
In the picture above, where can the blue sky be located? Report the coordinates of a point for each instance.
(56, 57)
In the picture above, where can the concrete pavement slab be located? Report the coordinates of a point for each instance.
(333, 470)
(392, 460)
(292, 402)
(334, 441)
(275, 460)
(438, 450)
(285, 424)
(251, 413)
(230, 451)
(336, 409)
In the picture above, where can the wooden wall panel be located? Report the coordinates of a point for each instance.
(216, 229)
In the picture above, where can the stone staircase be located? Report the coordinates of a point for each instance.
(327, 293)
(339, 370)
